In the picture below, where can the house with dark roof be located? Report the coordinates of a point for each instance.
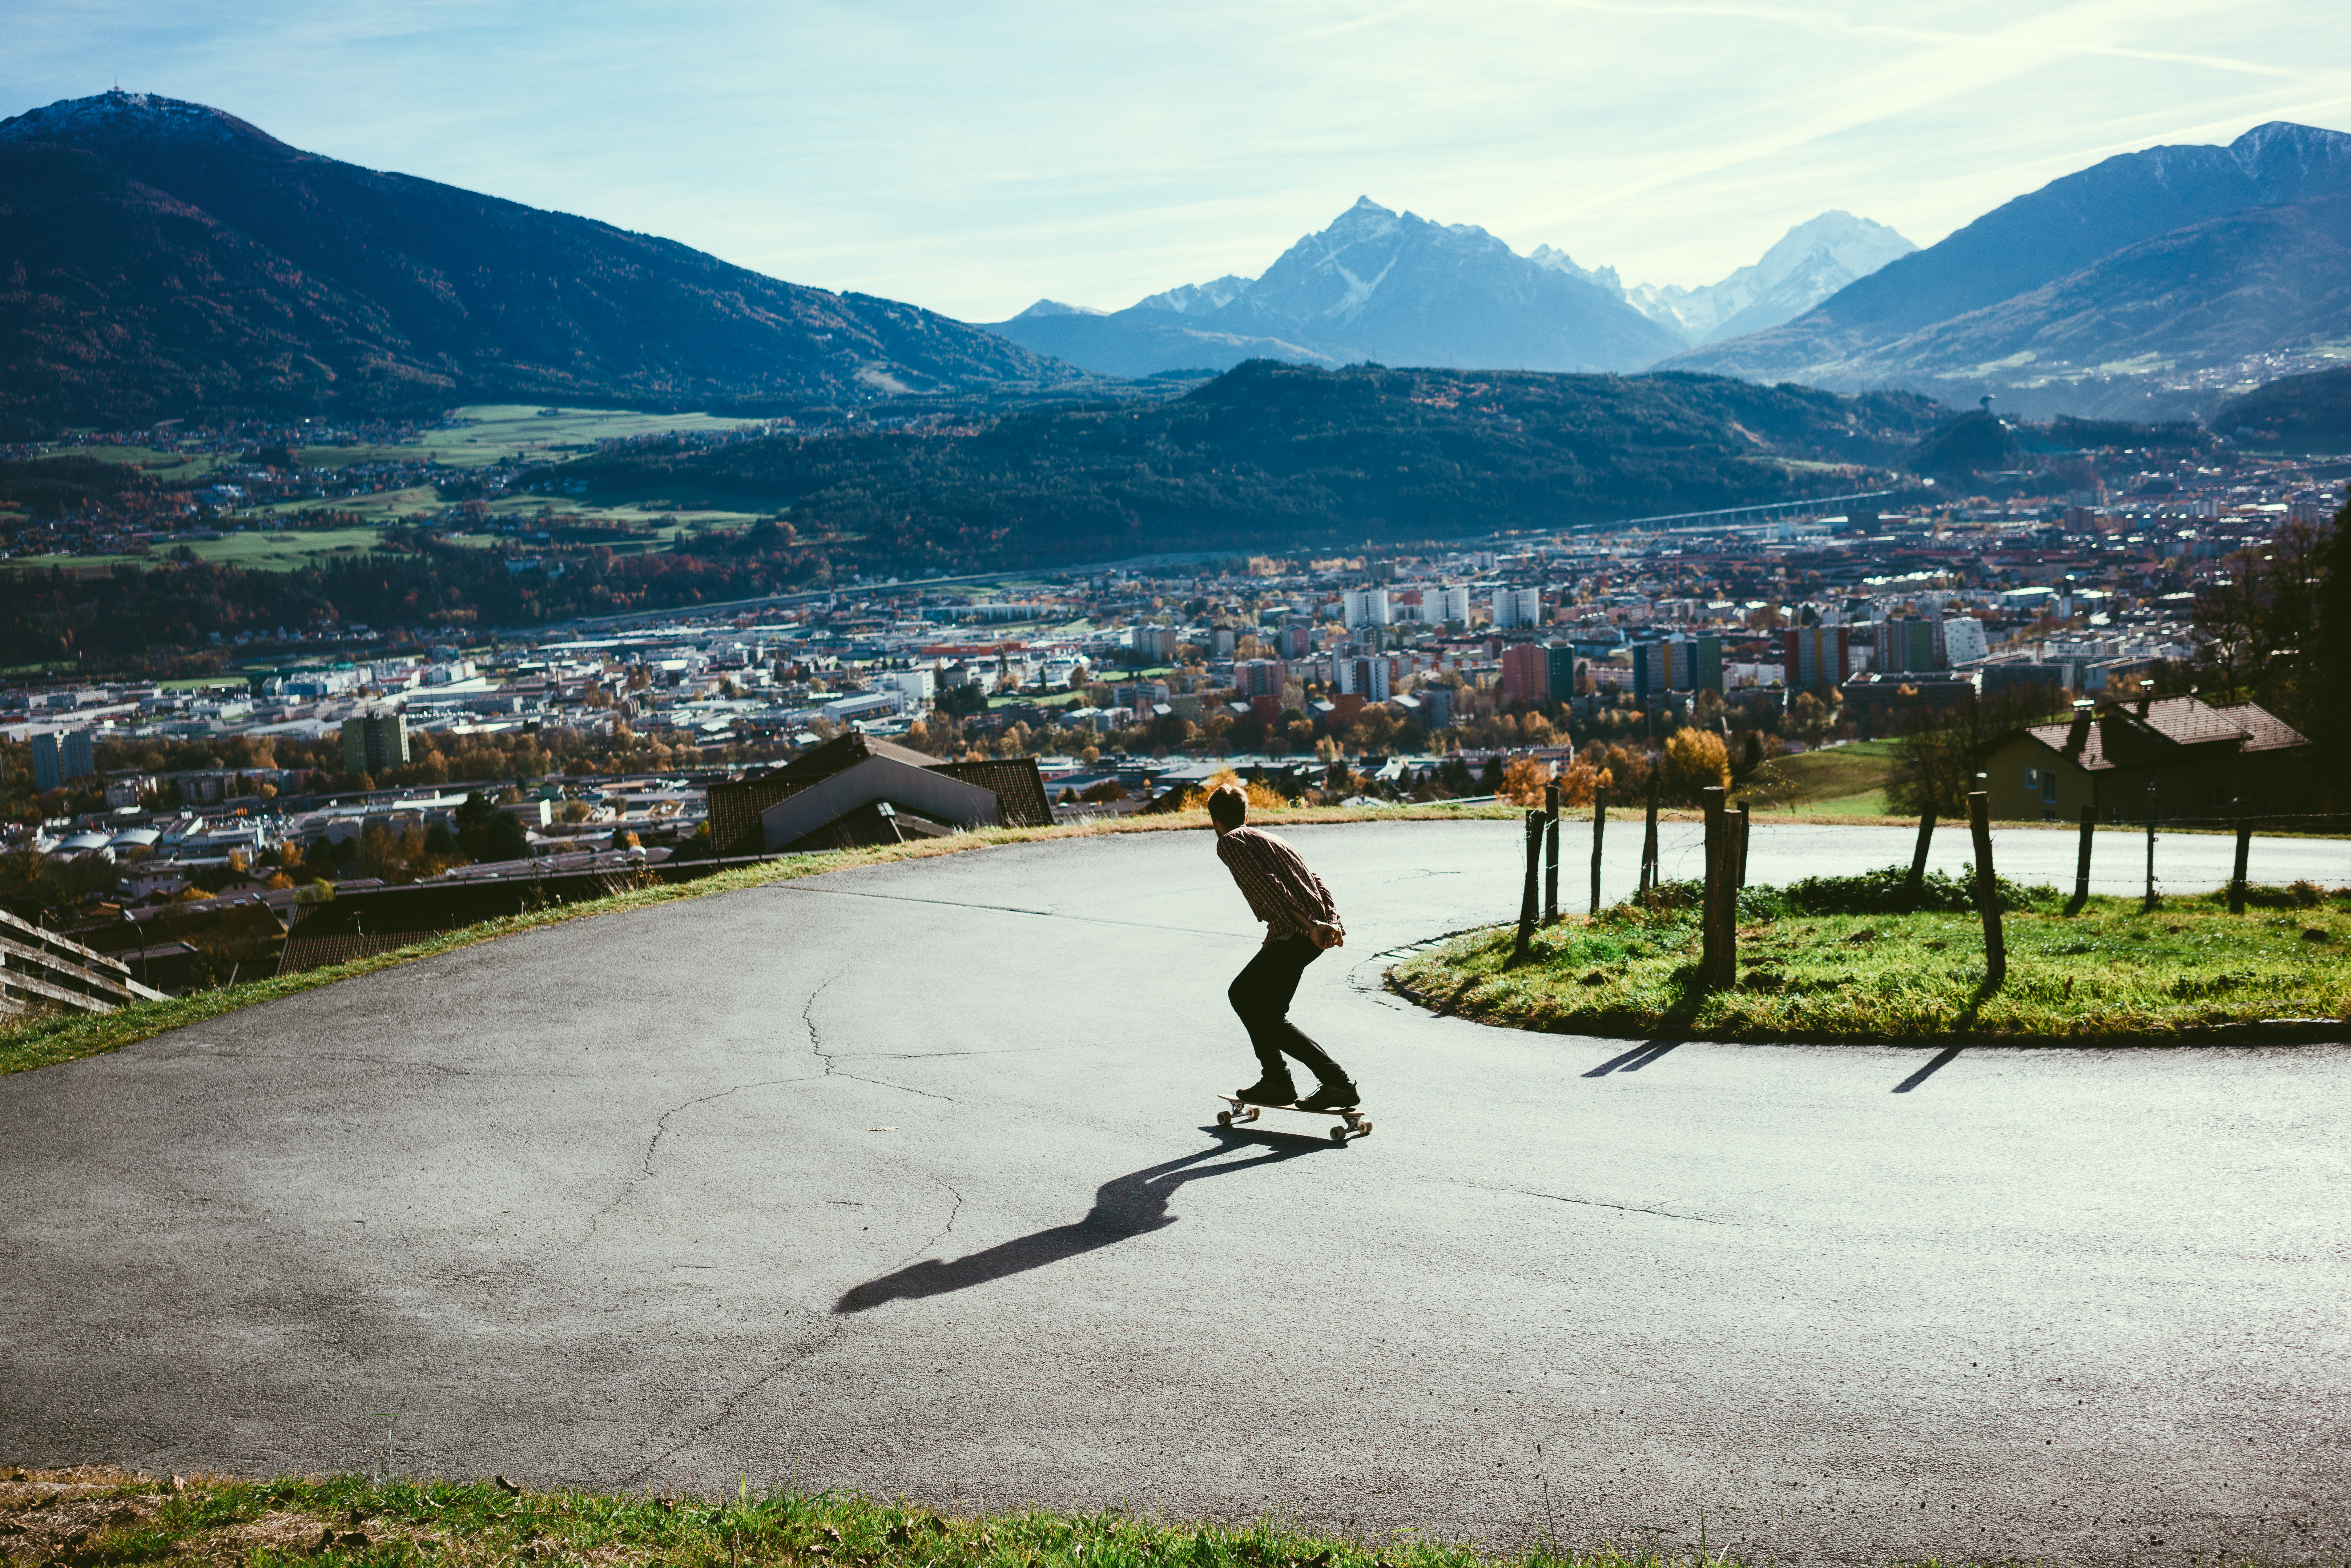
(856, 790)
(2202, 760)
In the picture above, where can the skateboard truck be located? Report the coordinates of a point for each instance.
(1352, 1122)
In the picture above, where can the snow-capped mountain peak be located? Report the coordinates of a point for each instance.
(1804, 267)
(118, 116)
(1196, 298)
(1055, 308)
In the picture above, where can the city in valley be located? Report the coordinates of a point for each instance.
(331, 756)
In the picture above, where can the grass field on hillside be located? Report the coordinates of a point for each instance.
(285, 550)
(2109, 970)
(501, 430)
(1839, 781)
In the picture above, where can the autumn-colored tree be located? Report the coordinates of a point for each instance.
(1579, 779)
(1524, 781)
(1261, 797)
(1695, 760)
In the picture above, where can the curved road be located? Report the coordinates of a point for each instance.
(905, 1179)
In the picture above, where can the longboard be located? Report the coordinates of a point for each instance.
(1352, 1122)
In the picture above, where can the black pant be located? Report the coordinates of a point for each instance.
(1261, 994)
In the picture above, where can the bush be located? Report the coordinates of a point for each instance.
(1669, 902)
(1886, 891)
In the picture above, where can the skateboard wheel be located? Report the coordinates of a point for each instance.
(1338, 1135)
(1365, 1128)
(1223, 1118)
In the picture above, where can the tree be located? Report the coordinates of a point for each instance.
(1579, 780)
(1751, 757)
(1695, 760)
(1938, 750)
(1812, 718)
(1524, 781)
(488, 834)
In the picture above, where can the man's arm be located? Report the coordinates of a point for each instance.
(1281, 891)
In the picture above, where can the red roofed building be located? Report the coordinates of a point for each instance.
(2203, 761)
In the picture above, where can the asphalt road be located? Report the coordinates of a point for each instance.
(906, 1180)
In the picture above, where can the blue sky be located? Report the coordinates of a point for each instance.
(975, 157)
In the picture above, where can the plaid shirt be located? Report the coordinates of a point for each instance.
(1274, 878)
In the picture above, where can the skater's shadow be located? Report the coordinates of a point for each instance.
(1125, 1206)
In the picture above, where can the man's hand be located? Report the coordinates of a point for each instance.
(1327, 934)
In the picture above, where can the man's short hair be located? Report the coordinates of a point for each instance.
(1229, 805)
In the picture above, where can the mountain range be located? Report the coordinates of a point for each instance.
(1395, 288)
(2148, 270)
(159, 258)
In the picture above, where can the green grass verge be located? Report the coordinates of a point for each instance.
(94, 1518)
(31, 1042)
(2108, 972)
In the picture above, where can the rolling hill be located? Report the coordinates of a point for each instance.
(160, 259)
(1273, 457)
(2299, 414)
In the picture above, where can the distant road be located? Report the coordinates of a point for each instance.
(905, 1180)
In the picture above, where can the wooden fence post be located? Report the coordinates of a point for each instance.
(1746, 821)
(1916, 884)
(1649, 838)
(1550, 853)
(2149, 906)
(2237, 877)
(1719, 931)
(1988, 890)
(1599, 829)
(2082, 858)
(1526, 897)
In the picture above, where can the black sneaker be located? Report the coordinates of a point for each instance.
(1338, 1096)
(1269, 1090)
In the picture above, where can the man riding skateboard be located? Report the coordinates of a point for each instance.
(1302, 921)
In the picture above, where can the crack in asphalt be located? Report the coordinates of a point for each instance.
(833, 1331)
(933, 1055)
(1621, 1207)
(999, 908)
(832, 1062)
(660, 1128)
(947, 1230)
(838, 1327)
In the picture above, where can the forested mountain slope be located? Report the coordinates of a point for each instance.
(160, 259)
(1277, 456)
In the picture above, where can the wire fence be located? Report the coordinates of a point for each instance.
(2186, 862)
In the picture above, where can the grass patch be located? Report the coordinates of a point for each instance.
(91, 1517)
(1836, 781)
(29, 1042)
(501, 430)
(1848, 958)
(285, 550)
